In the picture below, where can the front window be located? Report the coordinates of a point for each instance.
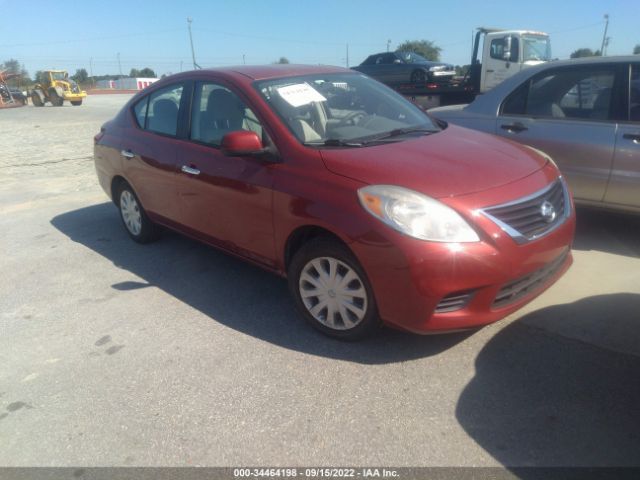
(61, 76)
(536, 48)
(216, 111)
(342, 109)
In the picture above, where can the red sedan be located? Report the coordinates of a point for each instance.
(374, 212)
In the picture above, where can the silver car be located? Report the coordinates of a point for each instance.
(583, 113)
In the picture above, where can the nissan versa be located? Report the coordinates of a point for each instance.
(373, 211)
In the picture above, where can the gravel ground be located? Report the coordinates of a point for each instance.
(112, 353)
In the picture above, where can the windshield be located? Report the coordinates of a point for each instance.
(59, 75)
(536, 48)
(410, 57)
(341, 108)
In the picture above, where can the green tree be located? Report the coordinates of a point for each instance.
(636, 49)
(584, 52)
(81, 76)
(146, 72)
(11, 66)
(134, 73)
(39, 77)
(282, 60)
(426, 48)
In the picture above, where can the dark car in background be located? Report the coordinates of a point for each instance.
(11, 93)
(405, 67)
(584, 113)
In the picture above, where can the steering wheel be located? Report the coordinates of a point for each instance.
(351, 117)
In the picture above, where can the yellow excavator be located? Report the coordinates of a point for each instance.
(55, 86)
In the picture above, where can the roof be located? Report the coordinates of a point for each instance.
(264, 72)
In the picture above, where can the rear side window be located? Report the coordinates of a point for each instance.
(162, 111)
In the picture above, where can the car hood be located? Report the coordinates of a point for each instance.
(455, 161)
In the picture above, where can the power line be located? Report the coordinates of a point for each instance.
(91, 39)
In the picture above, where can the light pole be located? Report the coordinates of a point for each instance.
(604, 37)
(388, 44)
(193, 54)
(119, 65)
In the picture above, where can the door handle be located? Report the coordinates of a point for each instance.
(635, 137)
(128, 154)
(516, 127)
(190, 170)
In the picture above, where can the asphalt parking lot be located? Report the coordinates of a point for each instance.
(113, 353)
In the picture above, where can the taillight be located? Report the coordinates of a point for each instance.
(99, 136)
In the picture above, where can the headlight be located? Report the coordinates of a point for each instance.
(542, 154)
(415, 214)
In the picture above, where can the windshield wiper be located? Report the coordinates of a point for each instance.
(334, 142)
(399, 132)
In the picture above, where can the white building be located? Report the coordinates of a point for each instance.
(126, 83)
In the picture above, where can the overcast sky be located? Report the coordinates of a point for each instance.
(154, 34)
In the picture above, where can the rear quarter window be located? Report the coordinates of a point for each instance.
(140, 111)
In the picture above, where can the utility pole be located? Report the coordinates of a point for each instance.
(193, 54)
(388, 44)
(606, 45)
(243, 60)
(604, 37)
(119, 65)
(347, 55)
(91, 69)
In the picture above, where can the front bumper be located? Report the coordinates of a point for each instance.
(430, 287)
(70, 96)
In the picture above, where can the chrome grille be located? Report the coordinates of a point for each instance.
(453, 302)
(533, 216)
(513, 291)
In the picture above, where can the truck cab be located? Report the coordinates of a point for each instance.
(506, 52)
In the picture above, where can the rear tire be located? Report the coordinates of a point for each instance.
(331, 290)
(134, 218)
(76, 103)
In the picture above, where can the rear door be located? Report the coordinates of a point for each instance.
(624, 184)
(569, 113)
(149, 150)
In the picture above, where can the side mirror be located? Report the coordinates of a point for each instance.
(506, 54)
(241, 143)
(397, 60)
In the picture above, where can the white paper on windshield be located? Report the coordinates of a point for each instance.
(300, 94)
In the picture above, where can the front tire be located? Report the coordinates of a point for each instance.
(37, 101)
(76, 103)
(331, 290)
(56, 100)
(418, 76)
(134, 218)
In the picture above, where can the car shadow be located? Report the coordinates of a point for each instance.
(605, 231)
(541, 399)
(231, 291)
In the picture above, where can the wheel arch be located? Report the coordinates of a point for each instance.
(303, 234)
(116, 182)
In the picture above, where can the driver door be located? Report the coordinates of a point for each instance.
(225, 200)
